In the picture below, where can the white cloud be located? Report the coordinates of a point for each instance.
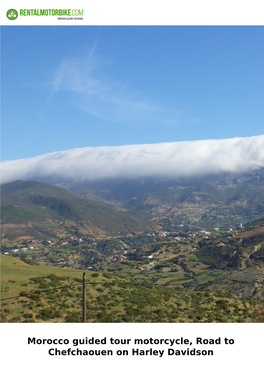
(165, 159)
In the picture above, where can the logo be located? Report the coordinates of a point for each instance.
(12, 14)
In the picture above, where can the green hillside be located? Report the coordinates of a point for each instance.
(50, 294)
(42, 211)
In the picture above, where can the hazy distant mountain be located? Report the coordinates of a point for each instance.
(207, 201)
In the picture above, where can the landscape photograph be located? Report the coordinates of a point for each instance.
(132, 174)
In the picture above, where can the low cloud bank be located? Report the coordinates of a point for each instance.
(188, 158)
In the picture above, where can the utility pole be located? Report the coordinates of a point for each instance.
(84, 297)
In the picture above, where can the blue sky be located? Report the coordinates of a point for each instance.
(83, 86)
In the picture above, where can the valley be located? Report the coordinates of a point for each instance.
(50, 230)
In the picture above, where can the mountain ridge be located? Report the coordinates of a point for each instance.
(43, 207)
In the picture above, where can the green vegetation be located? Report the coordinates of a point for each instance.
(42, 211)
(55, 295)
(139, 269)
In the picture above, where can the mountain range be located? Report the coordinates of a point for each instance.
(205, 183)
(121, 206)
(218, 200)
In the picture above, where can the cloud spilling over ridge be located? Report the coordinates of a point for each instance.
(188, 158)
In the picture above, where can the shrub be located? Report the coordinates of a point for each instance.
(73, 317)
(49, 313)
